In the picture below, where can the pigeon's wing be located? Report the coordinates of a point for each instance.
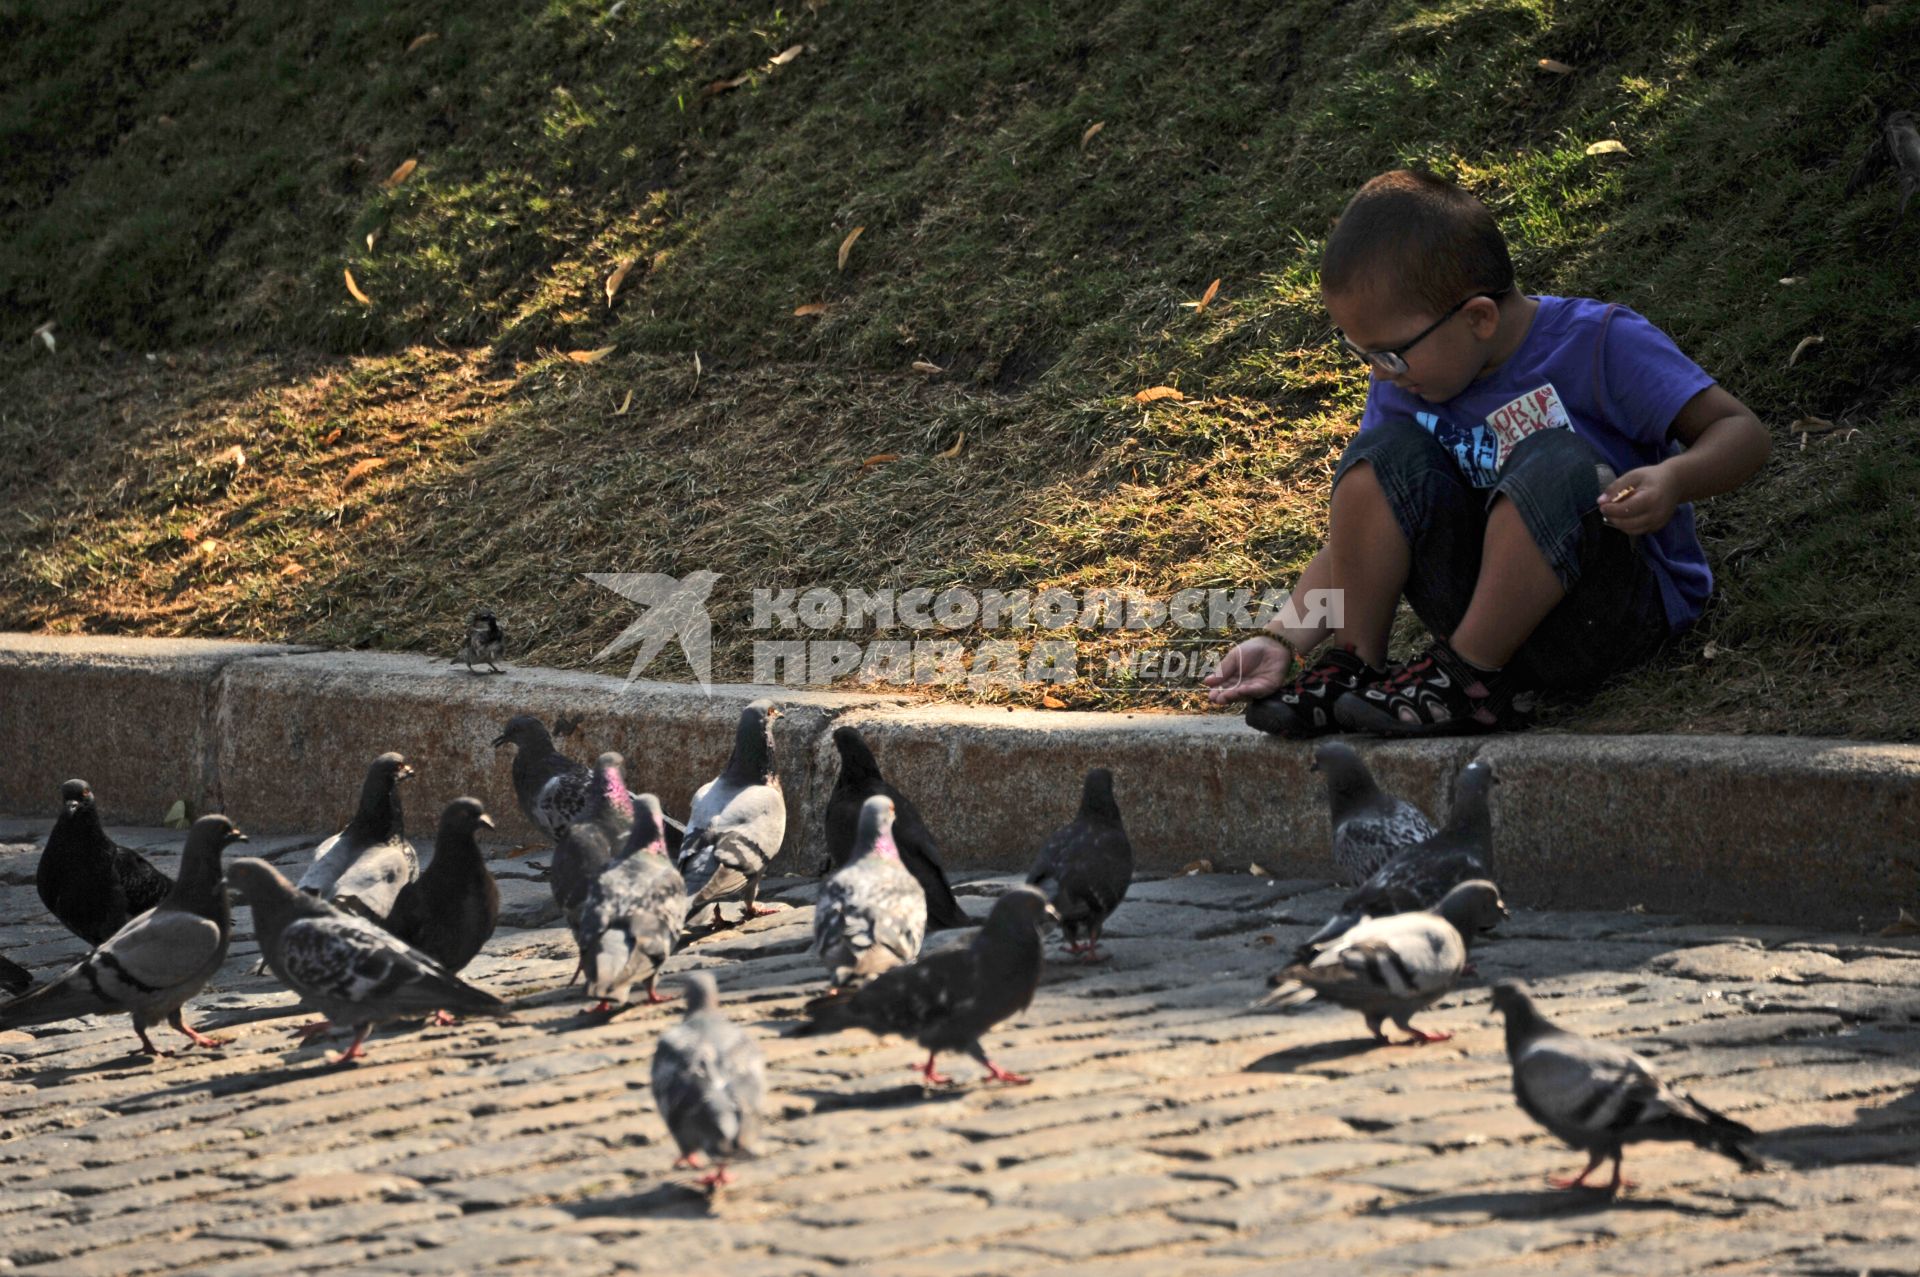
(330, 859)
(708, 802)
(376, 876)
(1369, 840)
(1586, 1092)
(348, 960)
(907, 1000)
(830, 914)
(753, 823)
(1085, 871)
(1401, 959)
(564, 800)
(145, 886)
(629, 924)
(157, 953)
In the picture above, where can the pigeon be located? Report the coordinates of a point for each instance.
(738, 819)
(351, 969)
(89, 882)
(860, 779)
(709, 1082)
(551, 788)
(485, 641)
(1897, 147)
(152, 965)
(871, 915)
(14, 978)
(1369, 825)
(451, 909)
(1420, 876)
(585, 847)
(364, 866)
(1390, 968)
(1084, 867)
(632, 914)
(946, 1000)
(1599, 1098)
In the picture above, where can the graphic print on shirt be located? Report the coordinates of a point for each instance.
(1481, 449)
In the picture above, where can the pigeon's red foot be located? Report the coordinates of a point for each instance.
(687, 1160)
(719, 1177)
(933, 1077)
(355, 1049)
(1090, 953)
(147, 1047)
(1421, 1037)
(201, 1039)
(655, 997)
(999, 1074)
(602, 1007)
(308, 1032)
(760, 911)
(443, 1019)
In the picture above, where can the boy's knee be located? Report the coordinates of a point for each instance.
(1558, 457)
(1400, 452)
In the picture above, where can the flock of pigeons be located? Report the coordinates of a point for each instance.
(367, 936)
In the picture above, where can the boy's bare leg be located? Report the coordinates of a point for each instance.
(1515, 591)
(1370, 560)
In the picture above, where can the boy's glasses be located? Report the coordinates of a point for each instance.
(1393, 362)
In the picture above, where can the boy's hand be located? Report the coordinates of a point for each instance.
(1251, 670)
(1639, 501)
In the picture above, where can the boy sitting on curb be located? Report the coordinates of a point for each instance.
(1523, 475)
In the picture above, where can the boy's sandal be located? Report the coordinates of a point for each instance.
(1435, 694)
(1305, 706)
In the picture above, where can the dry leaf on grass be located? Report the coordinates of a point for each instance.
(292, 569)
(422, 40)
(362, 468)
(1193, 867)
(1153, 394)
(879, 459)
(625, 404)
(723, 86)
(922, 365)
(1555, 66)
(785, 56)
(332, 437)
(1611, 146)
(846, 245)
(236, 457)
(811, 308)
(1051, 701)
(1794, 279)
(954, 451)
(372, 236)
(1206, 298)
(618, 278)
(1812, 426)
(400, 174)
(1806, 344)
(591, 356)
(354, 288)
(1905, 925)
(1092, 129)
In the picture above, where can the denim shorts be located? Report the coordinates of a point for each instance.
(1612, 617)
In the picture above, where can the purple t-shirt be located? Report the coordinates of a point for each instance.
(1606, 374)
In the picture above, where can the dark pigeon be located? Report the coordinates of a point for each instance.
(151, 966)
(588, 845)
(1085, 866)
(1599, 1098)
(364, 866)
(14, 978)
(552, 789)
(485, 642)
(1422, 875)
(738, 820)
(356, 973)
(92, 884)
(709, 1083)
(1391, 968)
(1370, 826)
(860, 779)
(947, 1000)
(632, 915)
(871, 915)
(450, 911)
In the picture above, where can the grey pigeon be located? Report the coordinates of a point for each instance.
(536, 765)
(871, 915)
(485, 642)
(738, 819)
(450, 911)
(585, 847)
(709, 1083)
(356, 973)
(1370, 826)
(1390, 968)
(151, 966)
(1599, 1098)
(1420, 876)
(14, 978)
(1084, 868)
(92, 884)
(947, 1000)
(364, 866)
(859, 780)
(632, 914)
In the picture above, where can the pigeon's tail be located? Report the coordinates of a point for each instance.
(14, 978)
(943, 911)
(449, 992)
(62, 999)
(1716, 1131)
(1288, 994)
(609, 965)
(1335, 927)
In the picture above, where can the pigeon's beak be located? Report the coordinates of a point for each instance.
(404, 773)
(487, 820)
(236, 836)
(499, 740)
(71, 805)
(1053, 915)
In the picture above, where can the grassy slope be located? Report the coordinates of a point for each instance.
(192, 179)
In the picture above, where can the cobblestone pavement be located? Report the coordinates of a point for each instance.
(1166, 1131)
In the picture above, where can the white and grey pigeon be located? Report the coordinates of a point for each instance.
(1599, 1098)
(1370, 826)
(354, 971)
(584, 848)
(709, 1083)
(1391, 968)
(738, 819)
(872, 913)
(1422, 875)
(632, 914)
(151, 966)
(1085, 866)
(364, 866)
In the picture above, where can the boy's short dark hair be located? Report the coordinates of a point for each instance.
(1420, 235)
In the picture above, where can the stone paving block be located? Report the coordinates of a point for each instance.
(1140, 1232)
(318, 1226)
(857, 1242)
(192, 1255)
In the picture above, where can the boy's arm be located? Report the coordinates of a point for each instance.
(1258, 666)
(1725, 446)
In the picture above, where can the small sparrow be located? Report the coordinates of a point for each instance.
(485, 641)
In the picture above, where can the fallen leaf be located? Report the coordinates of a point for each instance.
(400, 174)
(354, 288)
(422, 40)
(292, 569)
(1193, 867)
(618, 278)
(879, 459)
(526, 850)
(372, 235)
(1153, 393)
(591, 356)
(332, 437)
(362, 468)
(811, 308)
(1710, 651)
(1609, 147)
(176, 817)
(1258, 870)
(1266, 937)
(696, 365)
(1806, 343)
(1205, 298)
(1555, 66)
(1794, 279)
(45, 333)
(209, 546)
(785, 56)
(1905, 925)
(236, 457)
(1812, 426)
(954, 451)
(921, 365)
(625, 404)
(846, 245)
(723, 86)
(1051, 701)
(1092, 129)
